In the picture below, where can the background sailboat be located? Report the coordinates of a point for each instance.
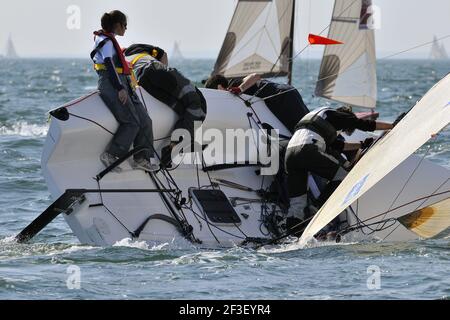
(259, 40)
(10, 51)
(176, 52)
(438, 51)
(348, 71)
(261, 36)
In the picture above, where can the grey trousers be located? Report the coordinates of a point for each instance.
(135, 125)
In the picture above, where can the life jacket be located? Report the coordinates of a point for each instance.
(316, 122)
(124, 64)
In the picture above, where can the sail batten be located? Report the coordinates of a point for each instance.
(259, 40)
(388, 154)
(348, 71)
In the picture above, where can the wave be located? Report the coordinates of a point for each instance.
(24, 129)
(127, 242)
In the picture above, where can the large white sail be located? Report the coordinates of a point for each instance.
(348, 71)
(429, 116)
(259, 39)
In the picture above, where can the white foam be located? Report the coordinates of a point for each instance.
(127, 242)
(295, 245)
(24, 129)
(6, 240)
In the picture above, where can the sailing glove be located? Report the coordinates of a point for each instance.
(235, 90)
(367, 143)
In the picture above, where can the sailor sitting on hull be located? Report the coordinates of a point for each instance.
(135, 125)
(283, 100)
(169, 86)
(311, 150)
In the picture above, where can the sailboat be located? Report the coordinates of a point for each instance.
(260, 39)
(348, 72)
(10, 52)
(223, 196)
(263, 43)
(438, 51)
(176, 52)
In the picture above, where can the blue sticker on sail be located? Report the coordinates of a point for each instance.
(356, 189)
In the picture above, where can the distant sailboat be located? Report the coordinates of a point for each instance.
(11, 52)
(438, 51)
(176, 52)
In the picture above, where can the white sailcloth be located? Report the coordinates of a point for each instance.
(428, 117)
(438, 51)
(10, 49)
(348, 71)
(259, 39)
(176, 52)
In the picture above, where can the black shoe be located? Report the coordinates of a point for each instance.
(166, 157)
(294, 226)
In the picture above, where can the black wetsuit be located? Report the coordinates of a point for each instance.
(287, 104)
(169, 86)
(309, 152)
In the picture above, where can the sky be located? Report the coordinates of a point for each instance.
(49, 28)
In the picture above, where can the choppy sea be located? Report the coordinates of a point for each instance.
(134, 270)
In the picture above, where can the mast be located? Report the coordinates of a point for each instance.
(291, 45)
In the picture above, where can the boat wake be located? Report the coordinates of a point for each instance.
(11, 249)
(143, 245)
(24, 129)
(294, 245)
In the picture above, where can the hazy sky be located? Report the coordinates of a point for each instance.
(39, 27)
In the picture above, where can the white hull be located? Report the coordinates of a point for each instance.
(71, 161)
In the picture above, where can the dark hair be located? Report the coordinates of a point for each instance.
(214, 81)
(110, 19)
(345, 108)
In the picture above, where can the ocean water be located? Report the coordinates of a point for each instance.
(46, 268)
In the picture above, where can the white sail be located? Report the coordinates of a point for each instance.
(429, 222)
(10, 49)
(438, 51)
(430, 115)
(348, 71)
(176, 52)
(259, 39)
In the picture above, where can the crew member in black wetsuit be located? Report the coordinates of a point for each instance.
(312, 147)
(283, 100)
(168, 85)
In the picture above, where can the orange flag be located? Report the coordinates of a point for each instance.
(315, 40)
